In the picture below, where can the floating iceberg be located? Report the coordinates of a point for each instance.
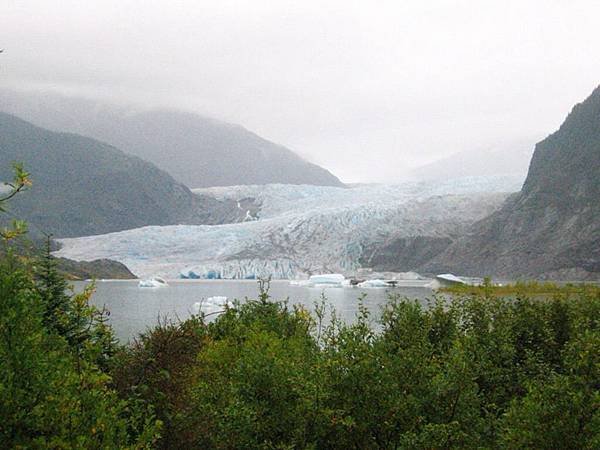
(448, 278)
(330, 279)
(377, 284)
(153, 282)
(212, 305)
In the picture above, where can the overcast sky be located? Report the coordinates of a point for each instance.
(367, 89)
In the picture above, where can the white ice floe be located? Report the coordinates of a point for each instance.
(154, 282)
(212, 305)
(329, 279)
(301, 230)
(376, 284)
(449, 278)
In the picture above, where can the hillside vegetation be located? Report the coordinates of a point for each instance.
(82, 186)
(479, 371)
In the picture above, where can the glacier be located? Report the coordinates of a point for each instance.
(299, 230)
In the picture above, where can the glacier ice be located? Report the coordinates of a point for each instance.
(154, 282)
(212, 305)
(328, 279)
(450, 278)
(377, 283)
(300, 231)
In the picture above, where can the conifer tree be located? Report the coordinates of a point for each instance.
(52, 288)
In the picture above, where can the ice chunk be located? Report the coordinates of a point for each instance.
(153, 282)
(448, 278)
(329, 279)
(212, 305)
(376, 284)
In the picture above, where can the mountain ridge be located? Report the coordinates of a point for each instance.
(551, 228)
(196, 150)
(82, 186)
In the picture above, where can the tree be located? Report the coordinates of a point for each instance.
(20, 182)
(52, 287)
(55, 391)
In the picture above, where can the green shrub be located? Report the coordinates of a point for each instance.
(473, 372)
(53, 395)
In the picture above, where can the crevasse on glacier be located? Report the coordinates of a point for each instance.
(301, 230)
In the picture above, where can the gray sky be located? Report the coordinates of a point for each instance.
(367, 89)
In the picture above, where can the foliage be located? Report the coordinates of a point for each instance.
(20, 182)
(51, 394)
(474, 372)
(54, 353)
(521, 288)
(71, 316)
(155, 370)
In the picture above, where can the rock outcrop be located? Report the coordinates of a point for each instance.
(551, 229)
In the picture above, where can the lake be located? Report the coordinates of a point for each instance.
(134, 309)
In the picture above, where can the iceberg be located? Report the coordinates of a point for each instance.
(331, 279)
(448, 278)
(212, 305)
(154, 282)
(376, 284)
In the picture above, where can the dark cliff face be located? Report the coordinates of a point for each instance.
(552, 227)
(82, 186)
(404, 254)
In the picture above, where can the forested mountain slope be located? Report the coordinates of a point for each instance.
(82, 186)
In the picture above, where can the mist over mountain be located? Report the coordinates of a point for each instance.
(505, 158)
(82, 186)
(196, 150)
(552, 227)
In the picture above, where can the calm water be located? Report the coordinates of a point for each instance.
(134, 309)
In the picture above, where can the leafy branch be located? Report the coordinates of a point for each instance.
(20, 182)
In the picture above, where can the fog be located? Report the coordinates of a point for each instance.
(367, 89)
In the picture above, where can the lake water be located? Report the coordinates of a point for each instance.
(134, 309)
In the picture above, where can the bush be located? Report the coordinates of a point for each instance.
(476, 371)
(54, 395)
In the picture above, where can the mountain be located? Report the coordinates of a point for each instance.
(551, 228)
(507, 158)
(82, 186)
(195, 150)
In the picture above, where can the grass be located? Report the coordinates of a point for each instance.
(521, 288)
